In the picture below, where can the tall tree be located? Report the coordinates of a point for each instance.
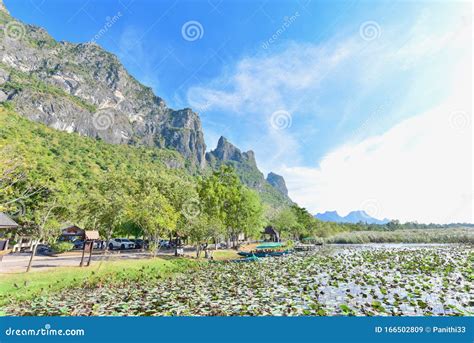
(47, 222)
(151, 210)
(286, 222)
(223, 196)
(104, 206)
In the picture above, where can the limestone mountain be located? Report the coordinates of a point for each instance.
(84, 89)
(278, 182)
(3, 8)
(353, 217)
(246, 167)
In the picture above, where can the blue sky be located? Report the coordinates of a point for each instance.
(315, 88)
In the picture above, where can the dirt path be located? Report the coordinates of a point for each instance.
(15, 263)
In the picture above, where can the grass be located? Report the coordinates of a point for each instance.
(455, 235)
(221, 255)
(25, 286)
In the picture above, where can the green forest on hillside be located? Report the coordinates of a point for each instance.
(51, 178)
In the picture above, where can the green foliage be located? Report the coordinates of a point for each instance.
(225, 198)
(149, 208)
(250, 176)
(61, 177)
(286, 222)
(73, 178)
(60, 247)
(447, 235)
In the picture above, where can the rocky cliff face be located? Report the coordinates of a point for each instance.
(226, 151)
(82, 88)
(3, 8)
(246, 167)
(278, 182)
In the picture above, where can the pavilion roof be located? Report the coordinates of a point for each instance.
(6, 222)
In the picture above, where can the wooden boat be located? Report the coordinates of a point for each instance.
(252, 258)
(266, 250)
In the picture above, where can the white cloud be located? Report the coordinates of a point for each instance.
(267, 81)
(421, 169)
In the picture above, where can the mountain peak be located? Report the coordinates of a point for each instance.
(352, 217)
(226, 151)
(3, 8)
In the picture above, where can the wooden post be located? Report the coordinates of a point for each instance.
(91, 246)
(83, 253)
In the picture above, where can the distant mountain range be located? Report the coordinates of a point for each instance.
(352, 217)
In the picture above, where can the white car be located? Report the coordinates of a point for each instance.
(121, 243)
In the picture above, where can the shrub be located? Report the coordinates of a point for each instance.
(60, 247)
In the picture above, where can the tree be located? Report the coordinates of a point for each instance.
(104, 206)
(18, 190)
(286, 222)
(47, 221)
(249, 219)
(223, 196)
(306, 222)
(202, 230)
(150, 210)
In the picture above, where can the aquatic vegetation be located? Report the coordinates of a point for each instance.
(348, 280)
(433, 235)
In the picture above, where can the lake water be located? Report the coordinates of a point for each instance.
(370, 279)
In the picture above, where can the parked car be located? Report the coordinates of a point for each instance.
(165, 244)
(79, 244)
(43, 249)
(140, 243)
(121, 243)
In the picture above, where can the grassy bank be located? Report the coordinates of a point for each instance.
(222, 255)
(28, 285)
(458, 235)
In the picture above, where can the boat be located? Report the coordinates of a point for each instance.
(252, 258)
(266, 250)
